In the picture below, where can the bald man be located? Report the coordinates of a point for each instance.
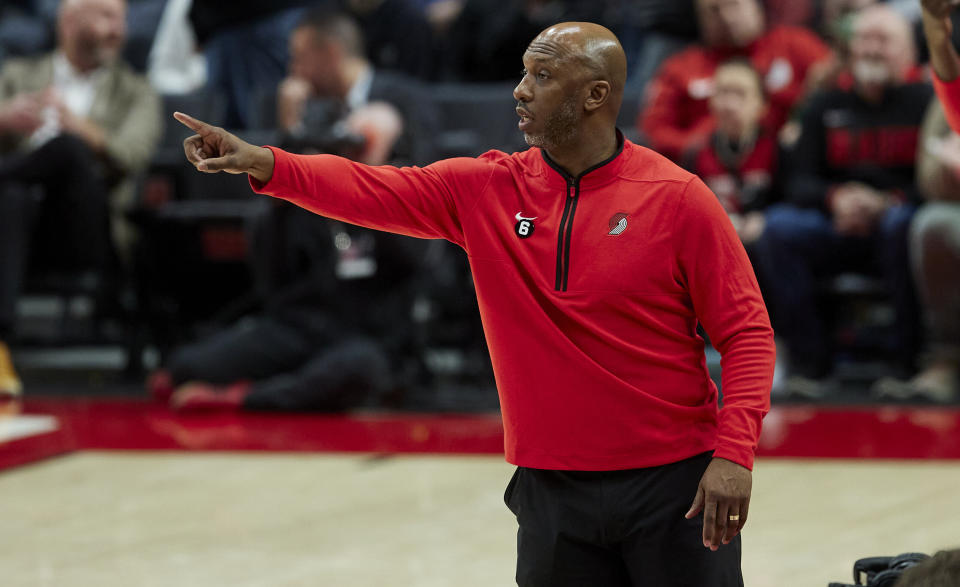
(850, 196)
(594, 259)
(79, 123)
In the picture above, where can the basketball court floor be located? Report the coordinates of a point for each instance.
(123, 492)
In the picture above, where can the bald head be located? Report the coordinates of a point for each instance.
(570, 94)
(91, 33)
(882, 49)
(589, 45)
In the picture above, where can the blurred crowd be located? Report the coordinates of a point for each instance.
(813, 121)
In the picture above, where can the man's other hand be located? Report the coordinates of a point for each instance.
(724, 497)
(213, 149)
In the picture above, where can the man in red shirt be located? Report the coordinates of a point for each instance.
(594, 261)
(849, 197)
(676, 117)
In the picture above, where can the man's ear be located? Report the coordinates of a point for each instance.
(598, 95)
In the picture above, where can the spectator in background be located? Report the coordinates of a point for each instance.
(676, 117)
(81, 124)
(245, 42)
(336, 331)
(738, 162)
(328, 65)
(851, 193)
(935, 256)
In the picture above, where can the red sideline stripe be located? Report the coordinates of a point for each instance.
(31, 449)
(135, 424)
(876, 432)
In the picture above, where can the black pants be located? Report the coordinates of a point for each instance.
(66, 228)
(616, 528)
(290, 369)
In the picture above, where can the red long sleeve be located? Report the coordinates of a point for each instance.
(727, 301)
(590, 290)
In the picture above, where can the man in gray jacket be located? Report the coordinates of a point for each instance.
(80, 124)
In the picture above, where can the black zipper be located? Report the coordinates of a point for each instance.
(565, 233)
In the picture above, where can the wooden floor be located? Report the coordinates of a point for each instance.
(251, 520)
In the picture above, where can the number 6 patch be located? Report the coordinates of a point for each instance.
(524, 226)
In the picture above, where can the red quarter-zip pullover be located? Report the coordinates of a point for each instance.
(590, 290)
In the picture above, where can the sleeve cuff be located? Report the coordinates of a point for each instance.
(279, 166)
(735, 454)
(949, 94)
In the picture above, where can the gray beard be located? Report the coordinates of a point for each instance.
(871, 73)
(561, 127)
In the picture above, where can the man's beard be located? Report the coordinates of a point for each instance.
(560, 128)
(97, 52)
(871, 72)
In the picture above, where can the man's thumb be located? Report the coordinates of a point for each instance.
(217, 164)
(697, 504)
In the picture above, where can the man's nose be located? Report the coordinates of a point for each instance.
(521, 93)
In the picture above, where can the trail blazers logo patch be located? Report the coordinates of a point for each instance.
(524, 226)
(617, 224)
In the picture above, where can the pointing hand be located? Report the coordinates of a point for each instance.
(213, 149)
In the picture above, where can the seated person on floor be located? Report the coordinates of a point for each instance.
(79, 123)
(851, 193)
(676, 116)
(336, 331)
(738, 162)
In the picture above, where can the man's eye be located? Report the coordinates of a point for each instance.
(543, 75)
(523, 72)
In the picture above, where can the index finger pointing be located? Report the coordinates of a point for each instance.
(192, 123)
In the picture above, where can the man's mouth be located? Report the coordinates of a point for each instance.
(525, 118)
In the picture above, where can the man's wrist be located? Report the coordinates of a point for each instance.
(937, 30)
(263, 162)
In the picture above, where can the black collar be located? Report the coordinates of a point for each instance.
(571, 179)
